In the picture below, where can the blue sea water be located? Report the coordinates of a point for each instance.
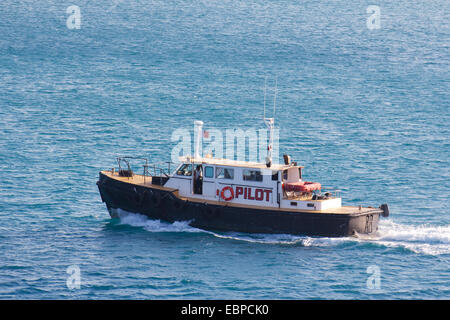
(366, 111)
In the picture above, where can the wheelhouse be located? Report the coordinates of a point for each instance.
(248, 183)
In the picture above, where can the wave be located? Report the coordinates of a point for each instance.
(427, 239)
(139, 220)
(280, 239)
(422, 239)
(151, 225)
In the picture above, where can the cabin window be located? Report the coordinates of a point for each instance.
(274, 175)
(209, 172)
(224, 173)
(185, 170)
(252, 175)
(300, 173)
(285, 174)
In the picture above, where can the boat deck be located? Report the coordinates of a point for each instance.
(137, 179)
(146, 181)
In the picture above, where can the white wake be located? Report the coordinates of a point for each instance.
(424, 239)
(428, 239)
(139, 220)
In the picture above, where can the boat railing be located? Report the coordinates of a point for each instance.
(160, 171)
(126, 161)
(331, 192)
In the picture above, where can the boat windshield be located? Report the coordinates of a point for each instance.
(185, 170)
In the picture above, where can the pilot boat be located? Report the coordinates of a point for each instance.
(230, 195)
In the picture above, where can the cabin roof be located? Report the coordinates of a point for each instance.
(236, 163)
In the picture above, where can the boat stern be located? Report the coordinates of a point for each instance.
(367, 222)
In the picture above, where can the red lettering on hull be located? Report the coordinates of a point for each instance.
(268, 192)
(259, 194)
(249, 194)
(239, 191)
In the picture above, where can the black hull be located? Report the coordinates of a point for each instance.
(157, 203)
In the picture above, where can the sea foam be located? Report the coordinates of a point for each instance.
(425, 239)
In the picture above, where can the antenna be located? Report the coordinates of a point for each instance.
(198, 138)
(270, 122)
(265, 89)
(275, 96)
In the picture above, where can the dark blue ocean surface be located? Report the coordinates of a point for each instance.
(364, 110)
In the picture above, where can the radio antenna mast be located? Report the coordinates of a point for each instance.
(270, 123)
(275, 96)
(265, 89)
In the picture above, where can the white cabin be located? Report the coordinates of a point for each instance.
(246, 183)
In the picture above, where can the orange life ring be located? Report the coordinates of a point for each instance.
(222, 194)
